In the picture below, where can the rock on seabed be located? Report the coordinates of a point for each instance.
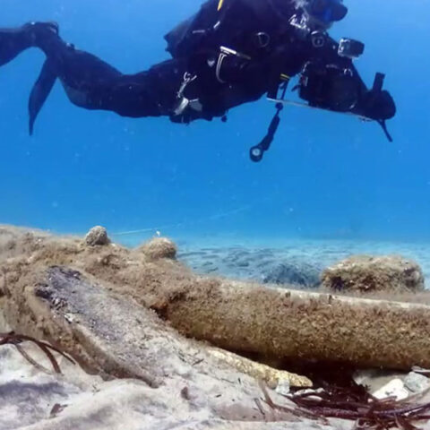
(368, 274)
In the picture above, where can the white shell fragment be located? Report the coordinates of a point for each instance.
(416, 383)
(394, 388)
(283, 387)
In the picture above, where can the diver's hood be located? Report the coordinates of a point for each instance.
(326, 11)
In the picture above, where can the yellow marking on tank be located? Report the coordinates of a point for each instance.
(220, 3)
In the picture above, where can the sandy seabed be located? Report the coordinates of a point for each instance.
(252, 260)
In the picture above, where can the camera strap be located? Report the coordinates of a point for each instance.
(257, 151)
(383, 125)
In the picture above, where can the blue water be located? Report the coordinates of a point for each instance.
(327, 175)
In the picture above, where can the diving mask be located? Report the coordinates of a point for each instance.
(326, 11)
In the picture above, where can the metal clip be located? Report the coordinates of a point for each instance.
(184, 102)
(224, 53)
(262, 39)
(188, 78)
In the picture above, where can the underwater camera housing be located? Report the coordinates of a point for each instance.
(329, 87)
(332, 86)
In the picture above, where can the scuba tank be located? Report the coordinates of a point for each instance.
(192, 33)
(178, 37)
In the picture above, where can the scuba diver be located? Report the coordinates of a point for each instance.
(229, 53)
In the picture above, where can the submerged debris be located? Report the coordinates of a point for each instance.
(274, 377)
(17, 339)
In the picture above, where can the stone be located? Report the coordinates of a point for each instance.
(97, 236)
(416, 383)
(375, 379)
(368, 274)
(159, 248)
(394, 388)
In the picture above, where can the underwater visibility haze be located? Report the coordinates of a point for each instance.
(327, 175)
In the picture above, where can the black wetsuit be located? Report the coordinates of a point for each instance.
(258, 29)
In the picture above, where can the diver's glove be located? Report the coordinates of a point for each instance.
(378, 105)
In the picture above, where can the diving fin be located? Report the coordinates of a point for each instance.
(40, 92)
(13, 41)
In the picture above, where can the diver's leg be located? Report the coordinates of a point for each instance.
(90, 82)
(75, 69)
(149, 93)
(93, 84)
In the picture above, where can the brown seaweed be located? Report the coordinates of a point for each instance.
(16, 340)
(345, 399)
